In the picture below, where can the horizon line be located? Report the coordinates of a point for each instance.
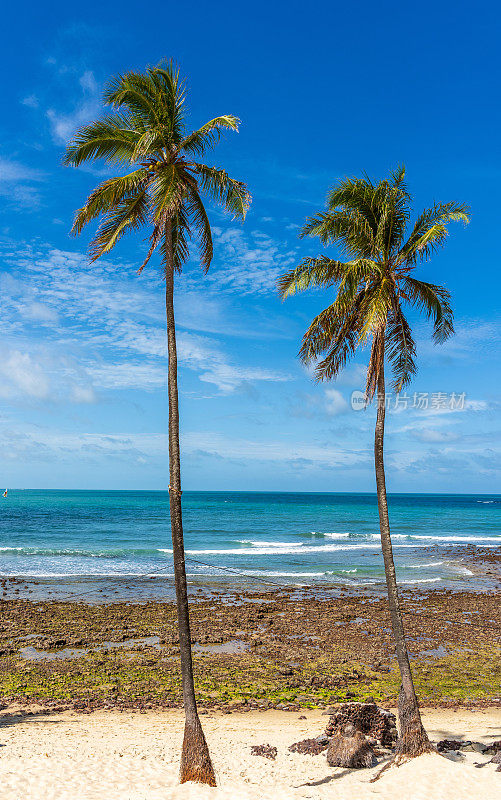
(250, 491)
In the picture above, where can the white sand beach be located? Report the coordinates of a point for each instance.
(134, 756)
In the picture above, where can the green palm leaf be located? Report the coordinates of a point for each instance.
(209, 134)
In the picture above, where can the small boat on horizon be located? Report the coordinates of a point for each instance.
(5, 493)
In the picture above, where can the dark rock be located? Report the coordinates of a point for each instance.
(309, 747)
(450, 744)
(368, 718)
(265, 750)
(51, 644)
(474, 747)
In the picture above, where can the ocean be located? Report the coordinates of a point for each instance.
(116, 544)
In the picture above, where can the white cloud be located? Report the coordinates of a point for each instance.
(335, 403)
(41, 444)
(21, 375)
(63, 125)
(305, 453)
(201, 355)
(432, 435)
(16, 183)
(354, 375)
(13, 172)
(128, 375)
(83, 394)
(251, 262)
(106, 316)
(31, 101)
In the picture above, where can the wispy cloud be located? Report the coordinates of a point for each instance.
(249, 263)
(18, 183)
(304, 453)
(212, 365)
(65, 123)
(31, 101)
(104, 309)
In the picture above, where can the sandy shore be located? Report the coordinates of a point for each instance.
(130, 756)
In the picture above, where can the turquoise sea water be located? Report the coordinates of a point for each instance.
(73, 538)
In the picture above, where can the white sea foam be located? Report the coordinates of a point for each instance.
(276, 574)
(270, 544)
(275, 551)
(492, 540)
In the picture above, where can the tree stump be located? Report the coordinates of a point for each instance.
(349, 748)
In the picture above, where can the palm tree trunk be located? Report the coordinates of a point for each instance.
(413, 738)
(196, 763)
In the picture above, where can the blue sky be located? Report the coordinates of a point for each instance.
(339, 90)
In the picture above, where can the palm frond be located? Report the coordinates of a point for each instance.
(196, 212)
(105, 196)
(209, 134)
(232, 194)
(150, 143)
(349, 229)
(435, 301)
(155, 239)
(148, 130)
(136, 92)
(377, 305)
(400, 348)
(345, 313)
(311, 272)
(177, 246)
(171, 93)
(130, 213)
(111, 138)
(430, 230)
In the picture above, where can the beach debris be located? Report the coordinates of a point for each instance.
(310, 747)
(349, 748)
(368, 718)
(450, 744)
(266, 750)
(469, 746)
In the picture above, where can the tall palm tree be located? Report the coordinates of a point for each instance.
(164, 192)
(369, 222)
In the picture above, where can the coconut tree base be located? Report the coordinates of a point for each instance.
(196, 764)
(413, 740)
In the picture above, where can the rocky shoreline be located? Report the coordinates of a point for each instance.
(252, 650)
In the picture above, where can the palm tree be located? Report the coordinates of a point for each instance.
(369, 222)
(164, 192)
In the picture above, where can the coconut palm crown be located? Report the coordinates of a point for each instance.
(369, 221)
(146, 130)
